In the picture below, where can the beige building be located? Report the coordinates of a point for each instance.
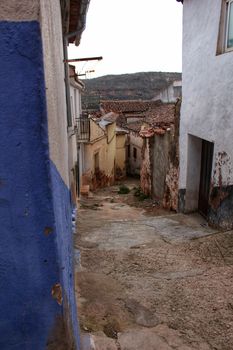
(131, 117)
(152, 145)
(102, 153)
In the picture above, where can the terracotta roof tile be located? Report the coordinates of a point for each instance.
(161, 115)
(157, 115)
(127, 106)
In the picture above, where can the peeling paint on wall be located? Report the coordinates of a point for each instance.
(100, 179)
(172, 178)
(222, 170)
(221, 193)
(57, 293)
(146, 167)
(160, 162)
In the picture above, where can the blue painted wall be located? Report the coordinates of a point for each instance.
(33, 198)
(63, 213)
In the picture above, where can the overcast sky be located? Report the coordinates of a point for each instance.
(132, 36)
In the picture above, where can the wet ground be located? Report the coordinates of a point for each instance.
(151, 279)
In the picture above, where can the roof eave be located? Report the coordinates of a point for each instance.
(74, 19)
(81, 22)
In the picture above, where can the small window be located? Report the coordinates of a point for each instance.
(225, 36)
(72, 109)
(229, 26)
(135, 153)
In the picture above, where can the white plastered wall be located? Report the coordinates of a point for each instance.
(207, 103)
(51, 28)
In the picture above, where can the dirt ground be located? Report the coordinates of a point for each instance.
(149, 279)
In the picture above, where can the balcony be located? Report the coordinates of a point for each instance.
(83, 129)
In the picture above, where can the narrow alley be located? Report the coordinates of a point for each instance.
(150, 279)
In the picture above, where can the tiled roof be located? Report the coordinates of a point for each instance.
(77, 19)
(156, 115)
(127, 106)
(163, 114)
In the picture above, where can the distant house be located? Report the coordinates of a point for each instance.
(102, 152)
(170, 93)
(131, 117)
(206, 143)
(152, 145)
(160, 154)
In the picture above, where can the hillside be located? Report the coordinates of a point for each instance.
(135, 86)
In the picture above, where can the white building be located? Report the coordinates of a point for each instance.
(75, 164)
(206, 142)
(170, 93)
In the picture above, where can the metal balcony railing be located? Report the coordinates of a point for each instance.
(83, 129)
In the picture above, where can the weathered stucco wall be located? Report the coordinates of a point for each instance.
(12, 11)
(37, 296)
(160, 151)
(102, 143)
(146, 173)
(75, 95)
(96, 131)
(51, 29)
(207, 101)
(111, 151)
(160, 163)
(120, 156)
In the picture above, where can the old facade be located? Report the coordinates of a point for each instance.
(152, 145)
(131, 117)
(170, 93)
(102, 151)
(38, 308)
(206, 150)
(76, 89)
(160, 154)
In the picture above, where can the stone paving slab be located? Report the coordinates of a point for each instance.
(158, 338)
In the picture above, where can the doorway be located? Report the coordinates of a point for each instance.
(96, 162)
(205, 177)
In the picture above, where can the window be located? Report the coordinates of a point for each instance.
(225, 37)
(72, 109)
(229, 25)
